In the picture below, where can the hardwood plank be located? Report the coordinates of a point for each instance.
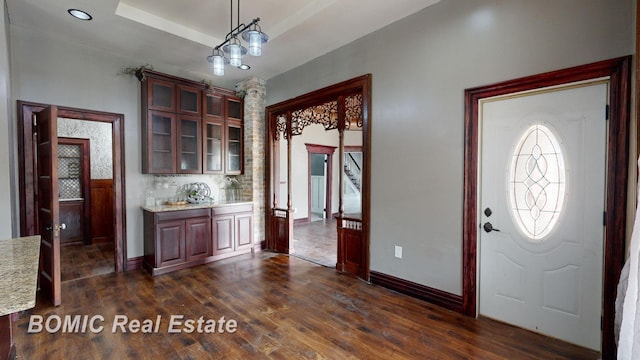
(285, 308)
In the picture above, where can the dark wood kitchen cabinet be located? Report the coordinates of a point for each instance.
(175, 240)
(224, 133)
(232, 229)
(179, 239)
(188, 128)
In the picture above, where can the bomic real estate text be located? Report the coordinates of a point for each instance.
(123, 324)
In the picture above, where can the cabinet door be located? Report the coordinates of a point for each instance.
(222, 230)
(170, 243)
(189, 100)
(213, 146)
(160, 157)
(234, 108)
(235, 145)
(244, 231)
(198, 234)
(214, 105)
(190, 149)
(161, 95)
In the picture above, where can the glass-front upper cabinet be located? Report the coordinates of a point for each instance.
(214, 134)
(223, 138)
(161, 95)
(189, 100)
(189, 145)
(234, 147)
(190, 128)
(214, 142)
(235, 137)
(160, 139)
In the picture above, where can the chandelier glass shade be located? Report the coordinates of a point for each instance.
(231, 50)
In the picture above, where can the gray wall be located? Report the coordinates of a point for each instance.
(52, 71)
(421, 66)
(5, 130)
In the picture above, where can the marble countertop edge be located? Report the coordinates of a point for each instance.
(19, 259)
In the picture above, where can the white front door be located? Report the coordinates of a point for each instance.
(543, 187)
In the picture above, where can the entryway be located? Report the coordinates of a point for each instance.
(334, 118)
(546, 161)
(92, 196)
(542, 239)
(85, 183)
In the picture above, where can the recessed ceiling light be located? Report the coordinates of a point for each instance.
(79, 14)
(244, 67)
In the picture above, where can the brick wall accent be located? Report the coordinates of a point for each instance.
(253, 180)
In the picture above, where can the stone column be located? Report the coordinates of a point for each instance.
(253, 180)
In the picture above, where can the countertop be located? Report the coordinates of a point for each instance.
(163, 208)
(19, 260)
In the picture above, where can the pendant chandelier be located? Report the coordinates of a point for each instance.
(231, 50)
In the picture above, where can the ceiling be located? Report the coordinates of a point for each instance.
(181, 34)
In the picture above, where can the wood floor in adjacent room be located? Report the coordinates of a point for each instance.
(317, 242)
(80, 261)
(285, 308)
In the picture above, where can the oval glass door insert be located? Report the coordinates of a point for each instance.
(537, 181)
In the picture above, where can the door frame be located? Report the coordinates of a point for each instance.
(27, 173)
(618, 71)
(328, 176)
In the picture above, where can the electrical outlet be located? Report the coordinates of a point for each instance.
(398, 252)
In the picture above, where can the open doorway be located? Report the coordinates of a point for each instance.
(107, 195)
(314, 229)
(85, 178)
(336, 117)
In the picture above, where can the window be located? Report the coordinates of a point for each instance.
(537, 182)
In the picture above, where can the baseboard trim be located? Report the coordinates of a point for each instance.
(134, 263)
(438, 297)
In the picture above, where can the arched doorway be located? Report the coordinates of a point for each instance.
(342, 107)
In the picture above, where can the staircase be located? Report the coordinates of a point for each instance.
(353, 177)
(352, 171)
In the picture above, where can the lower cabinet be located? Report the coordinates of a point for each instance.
(179, 239)
(232, 230)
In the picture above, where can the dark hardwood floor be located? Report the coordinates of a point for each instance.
(317, 242)
(285, 308)
(80, 261)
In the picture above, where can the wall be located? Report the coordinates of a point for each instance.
(53, 71)
(6, 144)
(420, 67)
(56, 71)
(100, 143)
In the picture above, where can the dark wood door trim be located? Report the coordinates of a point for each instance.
(26, 169)
(619, 72)
(323, 150)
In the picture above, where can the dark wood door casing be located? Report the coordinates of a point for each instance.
(619, 73)
(28, 192)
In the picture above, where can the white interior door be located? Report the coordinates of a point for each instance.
(543, 178)
(317, 194)
(318, 184)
